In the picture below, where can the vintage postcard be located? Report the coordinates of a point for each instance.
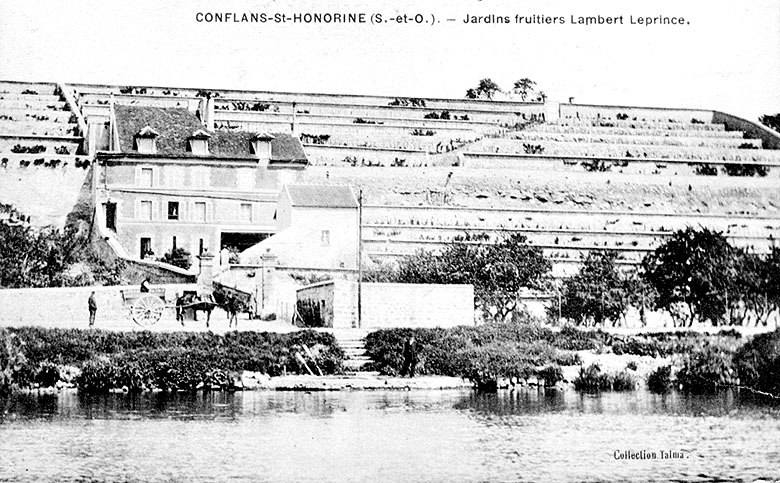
(368, 240)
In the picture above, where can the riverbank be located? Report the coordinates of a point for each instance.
(489, 357)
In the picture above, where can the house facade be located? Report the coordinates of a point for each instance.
(167, 182)
(317, 228)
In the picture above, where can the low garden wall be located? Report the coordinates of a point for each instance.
(59, 307)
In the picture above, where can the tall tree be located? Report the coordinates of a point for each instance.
(598, 293)
(693, 273)
(522, 87)
(498, 271)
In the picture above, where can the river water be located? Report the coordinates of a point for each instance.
(389, 436)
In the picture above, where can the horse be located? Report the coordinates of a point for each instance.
(194, 302)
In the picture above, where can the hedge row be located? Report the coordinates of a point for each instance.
(35, 356)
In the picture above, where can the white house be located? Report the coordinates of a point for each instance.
(317, 228)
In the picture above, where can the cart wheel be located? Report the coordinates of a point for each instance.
(147, 310)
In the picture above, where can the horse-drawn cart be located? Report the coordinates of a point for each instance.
(144, 308)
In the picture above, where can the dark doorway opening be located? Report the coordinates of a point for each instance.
(146, 247)
(241, 241)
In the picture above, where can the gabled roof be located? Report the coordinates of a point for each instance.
(175, 126)
(321, 196)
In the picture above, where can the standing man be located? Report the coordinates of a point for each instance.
(92, 308)
(410, 357)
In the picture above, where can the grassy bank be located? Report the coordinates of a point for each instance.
(687, 360)
(98, 360)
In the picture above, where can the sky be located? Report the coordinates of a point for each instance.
(726, 58)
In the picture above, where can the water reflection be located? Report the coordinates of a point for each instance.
(533, 401)
(532, 435)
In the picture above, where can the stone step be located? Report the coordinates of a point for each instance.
(351, 343)
(12, 87)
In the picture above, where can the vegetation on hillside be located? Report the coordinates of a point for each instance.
(50, 257)
(487, 89)
(772, 121)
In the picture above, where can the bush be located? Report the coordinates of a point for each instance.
(479, 353)
(623, 381)
(660, 380)
(97, 376)
(551, 374)
(758, 363)
(593, 379)
(178, 257)
(171, 361)
(708, 369)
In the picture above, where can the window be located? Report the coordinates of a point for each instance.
(146, 248)
(200, 211)
(246, 213)
(173, 210)
(147, 177)
(325, 238)
(146, 211)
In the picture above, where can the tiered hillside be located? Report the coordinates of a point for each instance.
(338, 130)
(571, 177)
(42, 168)
(614, 141)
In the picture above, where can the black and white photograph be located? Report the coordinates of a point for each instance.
(390, 241)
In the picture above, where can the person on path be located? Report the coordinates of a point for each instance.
(410, 357)
(92, 308)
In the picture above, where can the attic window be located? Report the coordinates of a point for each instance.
(260, 145)
(146, 140)
(198, 143)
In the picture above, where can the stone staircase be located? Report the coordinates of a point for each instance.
(352, 341)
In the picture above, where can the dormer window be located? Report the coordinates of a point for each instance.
(260, 145)
(146, 140)
(198, 143)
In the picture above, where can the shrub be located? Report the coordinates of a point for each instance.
(97, 376)
(596, 166)
(551, 374)
(171, 361)
(623, 381)
(660, 380)
(750, 169)
(758, 363)
(704, 169)
(178, 257)
(707, 370)
(592, 379)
